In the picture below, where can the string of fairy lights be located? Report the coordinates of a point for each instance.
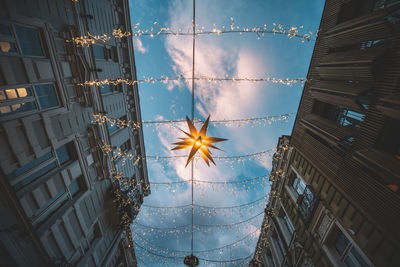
(210, 79)
(128, 186)
(116, 153)
(133, 125)
(157, 31)
(175, 231)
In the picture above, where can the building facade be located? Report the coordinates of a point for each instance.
(59, 202)
(340, 189)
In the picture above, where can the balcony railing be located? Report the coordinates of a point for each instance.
(348, 117)
(307, 204)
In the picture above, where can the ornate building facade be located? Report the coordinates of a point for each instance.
(336, 198)
(58, 204)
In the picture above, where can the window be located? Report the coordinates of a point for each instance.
(299, 186)
(43, 165)
(328, 111)
(46, 95)
(341, 115)
(34, 163)
(59, 200)
(98, 52)
(7, 41)
(35, 175)
(29, 41)
(348, 117)
(51, 201)
(270, 261)
(66, 153)
(307, 205)
(16, 100)
(126, 146)
(112, 128)
(388, 140)
(353, 9)
(105, 89)
(76, 186)
(62, 199)
(279, 248)
(288, 223)
(22, 99)
(108, 53)
(344, 251)
(306, 199)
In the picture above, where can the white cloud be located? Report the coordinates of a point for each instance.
(137, 43)
(218, 58)
(159, 117)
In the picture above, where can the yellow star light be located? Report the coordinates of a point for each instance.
(198, 141)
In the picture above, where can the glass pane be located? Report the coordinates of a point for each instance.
(23, 92)
(46, 96)
(23, 106)
(34, 163)
(63, 154)
(51, 201)
(341, 243)
(11, 94)
(295, 182)
(5, 110)
(349, 262)
(4, 29)
(29, 41)
(105, 89)
(358, 257)
(111, 129)
(35, 175)
(98, 52)
(74, 187)
(53, 209)
(288, 224)
(300, 187)
(7, 47)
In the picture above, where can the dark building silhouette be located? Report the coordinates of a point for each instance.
(58, 206)
(336, 184)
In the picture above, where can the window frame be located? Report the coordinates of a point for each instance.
(32, 98)
(330, 240)
(16, 180)
(13, 37)
(10, 39)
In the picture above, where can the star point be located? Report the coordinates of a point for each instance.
(198, 141)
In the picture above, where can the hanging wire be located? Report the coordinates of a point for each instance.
(121, 123)
(193, 72)
(181, 257)
(275, 29)
(200, 251)
(215, 182)
(205, 207)
(199, 225)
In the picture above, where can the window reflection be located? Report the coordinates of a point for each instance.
(46, 97)
(7, 47)
(29, 40)
(11, 94)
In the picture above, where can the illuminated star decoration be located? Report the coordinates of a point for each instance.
(198, 141)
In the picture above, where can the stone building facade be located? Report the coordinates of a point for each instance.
(57, 201)
(339, 187)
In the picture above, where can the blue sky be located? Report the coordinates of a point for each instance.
(230, 54)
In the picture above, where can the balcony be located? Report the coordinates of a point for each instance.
(307, 203)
